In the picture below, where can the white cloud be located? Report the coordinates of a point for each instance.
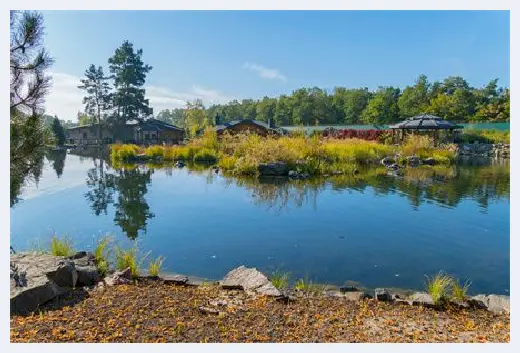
(271, 74)
(65, 98)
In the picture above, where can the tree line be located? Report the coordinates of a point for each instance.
(452, 99)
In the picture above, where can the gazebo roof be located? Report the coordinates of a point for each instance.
(425, 122)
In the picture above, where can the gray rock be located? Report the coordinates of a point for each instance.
(292, 174)
(387, 161)
(250, 280)
(65, 274)
(413, 161)
(119, 277)
(273, 169)
(421, 298)
(429, 161)
(345, 289)
(175, 279)
(356, 296)
(382, 294)
(87, 276)
(495, 303)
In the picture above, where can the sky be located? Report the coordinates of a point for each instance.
(223, 55)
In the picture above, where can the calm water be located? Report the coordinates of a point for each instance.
(378, 230)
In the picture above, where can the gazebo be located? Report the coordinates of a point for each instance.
(429, 124)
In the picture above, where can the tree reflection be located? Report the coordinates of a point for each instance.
(101, 185)
(57, 160)
(132, 210)
(24, 171)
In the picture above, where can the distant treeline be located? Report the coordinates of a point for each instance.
(452, 99)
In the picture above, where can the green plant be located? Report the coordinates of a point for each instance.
(61, 247)
(128, 259)
(102, 267)
(101, 255)
(205, 155)
(155, 266)
(306, 285)
(280, 279)
(438, 287)
(458, 291)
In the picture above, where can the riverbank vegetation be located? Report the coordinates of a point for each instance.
(241, 154)
(484, 136)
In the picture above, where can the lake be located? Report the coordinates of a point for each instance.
(375, 229)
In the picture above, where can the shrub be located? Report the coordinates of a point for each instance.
(101, 255)
(205, 155)
(155, 266)
(280, 279)
(61, 247)
(155, 151)
(484, 136)
(438, 287)
(458, 291)
(227, 162)
(123, 152)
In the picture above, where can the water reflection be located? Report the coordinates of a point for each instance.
(444, 186)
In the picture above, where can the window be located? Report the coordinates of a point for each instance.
(84, 135)
(146, 136)
(153, 136)
(71, 141)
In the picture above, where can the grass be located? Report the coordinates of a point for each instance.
(242, 153)
(61, 247)
(280, 279)
(128, 259)
(460, 291)
(438, 287)
(155, 266)
(306, 285)
(101, 255)
(484, 136)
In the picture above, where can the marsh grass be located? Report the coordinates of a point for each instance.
(308, 286)
(61, 247)
(155, 266)
(438, 287)
(280, 279)
(485, 136)
(101, 255)
(128, 259)
(460, 291)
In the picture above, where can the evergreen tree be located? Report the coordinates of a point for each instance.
(59, 132)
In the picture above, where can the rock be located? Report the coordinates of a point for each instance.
(423, 299)
(273, 169)
(208, 311)
(459, 302)
(33, 287)
(387, 161)
(179, 164)
(345, 289)
(249, 280)
(292, 174)
(495, 303)
(402, 302)
(413, 161)
(120, 277)
(382, 294)
(86, 268)
(429, 161)
(65, 275)
(175, 279)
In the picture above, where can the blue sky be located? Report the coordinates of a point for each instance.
(218, 56)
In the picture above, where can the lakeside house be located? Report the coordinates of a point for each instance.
(246, 126)
(140, 132)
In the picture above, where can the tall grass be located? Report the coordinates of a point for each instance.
(155, 266)
(128, 259)
(280, 279)
(101, 254)
(438, 287)
(484, 136)
(61, 247)
(123, 152)
(306, 285)
(460, 291)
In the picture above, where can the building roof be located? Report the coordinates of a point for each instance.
(145, 125)
(242, 121)
(425, 122)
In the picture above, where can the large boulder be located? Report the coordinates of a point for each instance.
(273, 169)
(494, 303)
(421, 298)
(382, 294)
(387, 161)
(37, 278)
(249, 280)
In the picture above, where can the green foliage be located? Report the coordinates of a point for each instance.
(460, 291)
(280, 279)
(155, 152)
(306, 285)
(127, 259)
(120, 152)
(484, 136)
(155, 266)
(438, 287)
(101, 255)
(59, 132)
(205, 155)
(61, 247)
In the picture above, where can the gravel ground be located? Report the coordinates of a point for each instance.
(157, 312)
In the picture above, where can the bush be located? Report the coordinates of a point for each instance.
(123, 152)
(128, 259)
(205, 155)
(101, 255)
(458, 291)
(155, 152)
(61, 247)
(484, 136)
